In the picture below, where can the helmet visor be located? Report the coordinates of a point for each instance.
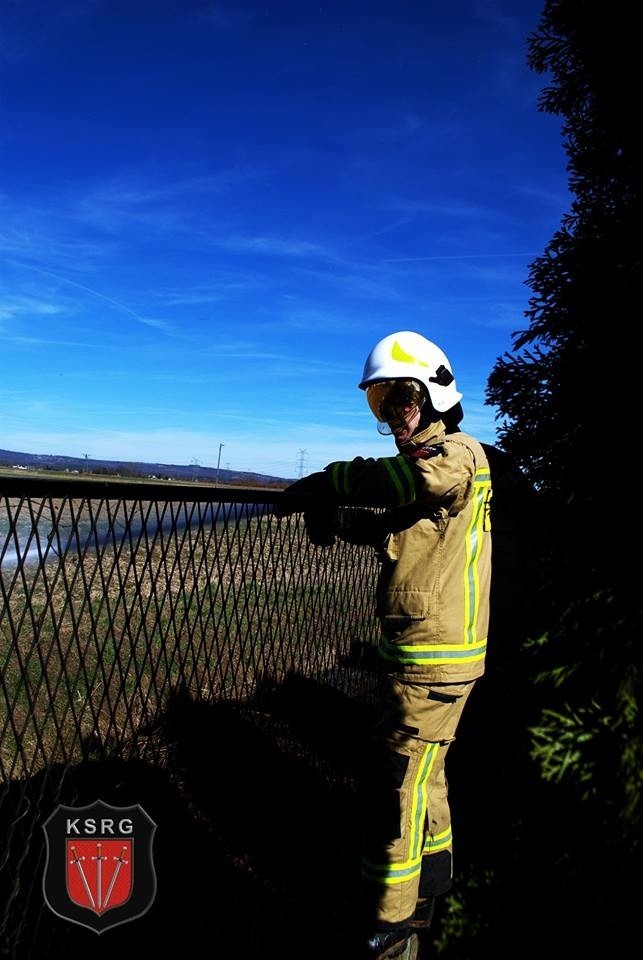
(395, 400)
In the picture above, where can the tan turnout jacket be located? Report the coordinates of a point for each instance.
(433, 589)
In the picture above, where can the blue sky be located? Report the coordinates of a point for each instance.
(210, 212)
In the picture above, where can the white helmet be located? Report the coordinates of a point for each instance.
(410, 356)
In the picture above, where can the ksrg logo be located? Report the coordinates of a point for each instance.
(99, 871)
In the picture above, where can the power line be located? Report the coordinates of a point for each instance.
(301, 463)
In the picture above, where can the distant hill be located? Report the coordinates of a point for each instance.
(124, 468)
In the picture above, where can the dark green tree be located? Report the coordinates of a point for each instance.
(555, 875)
(569, 397)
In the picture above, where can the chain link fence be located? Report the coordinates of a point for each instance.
(134, 617)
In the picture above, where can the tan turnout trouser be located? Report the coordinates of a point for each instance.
(405, 796)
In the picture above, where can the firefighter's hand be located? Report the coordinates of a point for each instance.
(363, 528)
(296, 497)
(321, 524)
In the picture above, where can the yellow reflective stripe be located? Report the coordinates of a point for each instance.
(396, 476)
(473, 545)
(392, 873)
(389, 875)
(396, 480)
(405, 471)
(437, 842)
(401, 475)
(432, 653)
(338, 477)
(396, 472)
(418, 808)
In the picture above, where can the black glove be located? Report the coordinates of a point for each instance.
(363, 527)
(321, 524)
(298, 495)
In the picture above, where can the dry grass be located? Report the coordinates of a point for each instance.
(93, 642)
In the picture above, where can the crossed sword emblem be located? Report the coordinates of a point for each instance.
(99, 903)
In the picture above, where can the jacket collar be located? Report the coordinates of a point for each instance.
(431, 434)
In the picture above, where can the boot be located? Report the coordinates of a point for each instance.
(391, 945)
(420, 924)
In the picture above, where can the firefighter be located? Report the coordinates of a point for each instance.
(432, 600)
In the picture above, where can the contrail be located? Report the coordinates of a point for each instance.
(80, 286)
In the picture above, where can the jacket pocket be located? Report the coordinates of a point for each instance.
(405, 605)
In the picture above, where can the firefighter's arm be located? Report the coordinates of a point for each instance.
(384, 482)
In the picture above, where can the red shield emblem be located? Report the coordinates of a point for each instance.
(99, 871)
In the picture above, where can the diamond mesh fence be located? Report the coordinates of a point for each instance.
(131, 613)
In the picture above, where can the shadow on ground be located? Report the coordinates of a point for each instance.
(256, 846)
